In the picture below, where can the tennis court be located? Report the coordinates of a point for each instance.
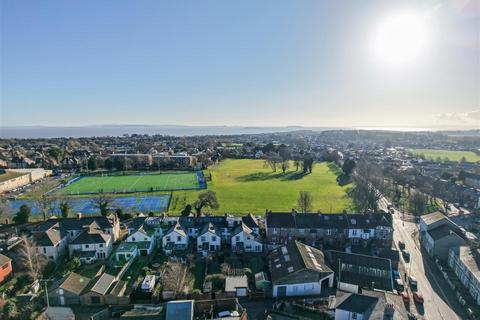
(146, 182)
(157, 203)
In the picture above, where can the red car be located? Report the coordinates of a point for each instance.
(417, 296)
(405, 297)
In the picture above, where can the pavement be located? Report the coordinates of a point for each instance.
(440, 301)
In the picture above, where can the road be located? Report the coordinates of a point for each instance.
(436, 290)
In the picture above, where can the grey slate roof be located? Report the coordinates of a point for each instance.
(357, 269)
(440, 232)
(88, 237)
(50, 237)
(294, 257)
(356, 303)
(326, 221)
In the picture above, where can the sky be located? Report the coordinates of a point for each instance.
(249, 63)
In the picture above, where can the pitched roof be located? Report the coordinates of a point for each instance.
(50, 237)
(4, 259)
(296, 256)
(68, 224)
(75, 283)
(433, 217)
(241, 227)
(208, 227)
(250, 221)
(326, 221)
(102, 283)
(440, 232)
(357, 269)
(177, 228)
(89, 237)
(356, 303)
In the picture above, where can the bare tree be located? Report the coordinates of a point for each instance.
(173, 278)
(418, 203)
(46, 204)
(103, 202)
(3, 206)
(368, 183)
(29, 260)
(304, 201)
(271, 160)
(284, 165)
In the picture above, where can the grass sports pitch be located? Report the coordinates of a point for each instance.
(244, 186)
(135, 183)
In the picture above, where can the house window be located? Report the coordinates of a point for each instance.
(354, 315)
(237, 238)
(179, 238)
(214, 238)
(44, 250)
(133, 238)
(203, 239)
(354, 232)
(168, 239)
(87, 246)
(101, 245)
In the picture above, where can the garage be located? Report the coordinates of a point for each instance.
(143, 252)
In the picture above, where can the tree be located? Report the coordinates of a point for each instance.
(46, 205)
(348, 166)
(461, 176)
(463, 159)
(118, 164)
(308, 164)
(271, 160)
(108, 164)
(55, 153)
(418, 203)
(187, 210)
(22, 215)
(207, 199)
(368, 182)
(284, 165)
(102, 202)
(3, 206)
(65, 207)
(92, 164)
(304, 201)
(10, 309)
(29, 260)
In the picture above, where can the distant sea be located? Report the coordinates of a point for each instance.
(170, 130)
(118, 130)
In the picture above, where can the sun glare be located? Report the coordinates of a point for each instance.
(400, 39)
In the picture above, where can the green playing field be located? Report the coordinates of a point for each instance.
(133, 183)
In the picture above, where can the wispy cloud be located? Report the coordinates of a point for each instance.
(467, 118)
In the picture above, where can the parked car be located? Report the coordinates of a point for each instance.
(411, 316)
(418, 297)
(412, 281)
(406, 255)
(396, 274)
(401, 245)
(405, 297)
(399, 285)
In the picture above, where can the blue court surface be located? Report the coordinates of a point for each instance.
(145, 204)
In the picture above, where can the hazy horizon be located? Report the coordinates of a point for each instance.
(340, 64)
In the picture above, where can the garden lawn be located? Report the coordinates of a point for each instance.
(244, 186)
(433, 154)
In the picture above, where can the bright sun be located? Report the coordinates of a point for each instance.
(400, 39)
